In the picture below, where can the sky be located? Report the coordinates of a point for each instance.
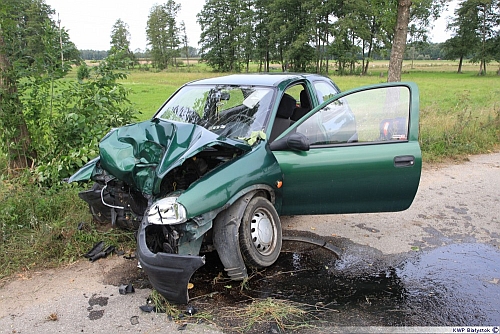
(90, 22)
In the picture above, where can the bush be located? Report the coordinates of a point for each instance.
(66, 119)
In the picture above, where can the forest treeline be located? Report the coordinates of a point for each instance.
(307, 35)
(424, 51)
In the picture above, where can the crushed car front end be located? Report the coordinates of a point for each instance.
(170, 177)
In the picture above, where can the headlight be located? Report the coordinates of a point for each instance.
(167, 212)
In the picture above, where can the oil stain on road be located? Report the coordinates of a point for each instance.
(452, 285)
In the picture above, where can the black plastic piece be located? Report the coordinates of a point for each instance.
(294, 142)
(98, 247)
(226, 241)
(191, 310)
(319, 242)
(105, 252)
(169, 274)
(147, 308)
(126, 288)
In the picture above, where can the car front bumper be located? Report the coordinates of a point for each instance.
(168, 273)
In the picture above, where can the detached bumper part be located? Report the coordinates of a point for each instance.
(168, 273)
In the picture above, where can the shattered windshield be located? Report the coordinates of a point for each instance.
(229, 111)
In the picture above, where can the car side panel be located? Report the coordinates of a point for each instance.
(349, 179)
(220, 185)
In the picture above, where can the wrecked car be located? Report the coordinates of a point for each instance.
(224, 158)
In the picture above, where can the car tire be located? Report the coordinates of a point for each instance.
(260, 235)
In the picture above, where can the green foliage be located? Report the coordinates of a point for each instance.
(303, 35)
(474, 26)
(219, 38)
(31, 45)
(120, 45)
(83, 72)
(163, 34)
(93, 54)
(66, 119)
(34, 44)
(39, 227)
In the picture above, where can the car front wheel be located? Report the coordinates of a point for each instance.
(260, 233)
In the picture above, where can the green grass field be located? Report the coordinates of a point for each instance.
(441, 88)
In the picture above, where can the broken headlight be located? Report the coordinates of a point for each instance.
(167, 212)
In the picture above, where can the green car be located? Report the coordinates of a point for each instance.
(224, 158)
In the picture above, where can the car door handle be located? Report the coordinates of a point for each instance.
(404, 161)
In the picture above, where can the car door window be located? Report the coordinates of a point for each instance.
(324, 90)
(375, 115)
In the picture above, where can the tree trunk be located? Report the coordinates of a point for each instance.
(16, 132)
(267, 60)
(460, 64)
(399, 43)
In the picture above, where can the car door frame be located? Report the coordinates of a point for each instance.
(332, 178)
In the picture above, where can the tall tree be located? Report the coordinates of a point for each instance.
(263, 47)
(184, 41)
(465, 38)
(163, 34)
(474, 27)
(219, 41)
(120, 43)
(291, 32)
(246, 36)
(30, 47)
(419, 12)
(494, 48)
(489, 21)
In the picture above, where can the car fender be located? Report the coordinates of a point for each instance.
(85, 173)
(226, 240)
(218, 188)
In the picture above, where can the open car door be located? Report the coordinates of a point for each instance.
(364, 153)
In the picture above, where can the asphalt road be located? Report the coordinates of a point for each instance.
(455, 205)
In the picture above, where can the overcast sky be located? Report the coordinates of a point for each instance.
(90, 22)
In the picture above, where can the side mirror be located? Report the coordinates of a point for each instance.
(293, 142)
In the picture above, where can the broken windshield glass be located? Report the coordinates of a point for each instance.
(229, 111)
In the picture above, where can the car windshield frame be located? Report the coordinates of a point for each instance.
(233, 111)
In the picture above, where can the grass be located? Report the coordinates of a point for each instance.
(285, 314)
(249, 317)
(41, 228)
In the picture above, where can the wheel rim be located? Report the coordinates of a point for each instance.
(263, 231)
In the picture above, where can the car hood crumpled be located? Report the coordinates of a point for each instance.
(142, 154)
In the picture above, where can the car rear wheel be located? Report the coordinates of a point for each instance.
(260, 233)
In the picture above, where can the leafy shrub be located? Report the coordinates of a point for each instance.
(66, 119)
(83, 72)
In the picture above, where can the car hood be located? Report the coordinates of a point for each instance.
(142, 154)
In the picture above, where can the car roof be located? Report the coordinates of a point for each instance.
(257, 79)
